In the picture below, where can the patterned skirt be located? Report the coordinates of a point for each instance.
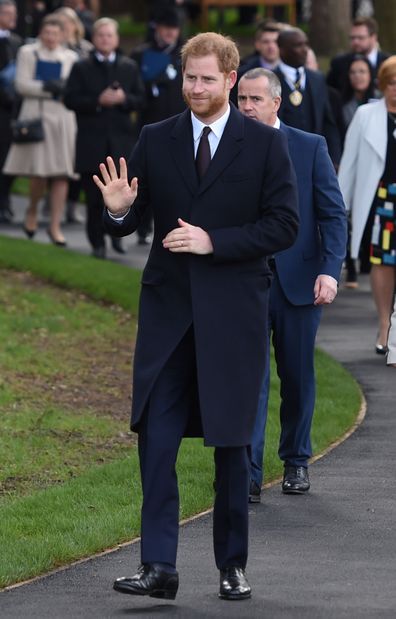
(383, 232)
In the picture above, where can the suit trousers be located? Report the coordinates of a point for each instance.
(95, 206)
(294, 331)
(161, 430)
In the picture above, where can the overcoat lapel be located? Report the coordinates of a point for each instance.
(228, 148)
(182, 147)
(183, 150)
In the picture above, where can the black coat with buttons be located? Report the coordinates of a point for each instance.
(247, 202)
(103, 131)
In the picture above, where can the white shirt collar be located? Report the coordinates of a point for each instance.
(276, 124)
(217, 126)
(290, 74)
(4, 34)
(372, 57)
(110, 58)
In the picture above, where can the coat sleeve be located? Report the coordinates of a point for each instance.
(348, 165)
(136, 96)
(330, 212)
(25, 84)
(276, 228)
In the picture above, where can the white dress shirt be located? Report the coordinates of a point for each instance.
(110, 58)
(372, 57)
(290, 75)
(214, 136)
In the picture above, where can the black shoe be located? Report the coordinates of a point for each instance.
(254, 492)
(149, 580)
(381, 349)
(55, 241)
(233, 584)
(99, 252)
(116, 244)
(295, 480)
(144, 240)
(5, 216)
(29, 233)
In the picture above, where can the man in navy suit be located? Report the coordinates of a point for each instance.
(305, 101)
(305, 279)
(223, 195)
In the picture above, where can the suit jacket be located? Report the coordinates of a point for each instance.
(339, 66)
(247, 202)
(362, 165)
(322, 236)
(103, 131)
(323, 121)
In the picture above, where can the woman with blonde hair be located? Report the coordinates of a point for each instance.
(367, 177)
(74, 32)
(41, 71)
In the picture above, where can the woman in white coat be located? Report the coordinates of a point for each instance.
(41, 71)
(391, 359)
(367, 177)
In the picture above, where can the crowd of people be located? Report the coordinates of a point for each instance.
(249, 238)
(92, 100)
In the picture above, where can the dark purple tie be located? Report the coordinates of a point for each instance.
(202, 160)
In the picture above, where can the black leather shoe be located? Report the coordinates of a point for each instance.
(254, 492)
(233, 584)
(295, 480)
(117, 246)
(99, 252)
(149, 580)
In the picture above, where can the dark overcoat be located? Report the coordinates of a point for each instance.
(8, 99)
(164, 91)
(103, 131)
(247, 202)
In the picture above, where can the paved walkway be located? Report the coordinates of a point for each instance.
(330, 554)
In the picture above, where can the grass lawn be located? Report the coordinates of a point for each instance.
(69, 479)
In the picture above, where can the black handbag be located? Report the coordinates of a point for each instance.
(27, 131)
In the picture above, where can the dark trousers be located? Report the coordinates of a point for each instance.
(5, 180)
(164, 422)
(94, 201)
(294, 331)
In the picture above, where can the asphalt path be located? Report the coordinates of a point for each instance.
(329, 554)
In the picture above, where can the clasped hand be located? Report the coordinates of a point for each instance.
(118, 194)
(188, 239)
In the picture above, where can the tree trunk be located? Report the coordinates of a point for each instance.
(384, 13)
(329, 26)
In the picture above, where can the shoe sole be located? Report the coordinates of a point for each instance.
(254, 499)
(235, 598)
(158, 593)
(295, 491)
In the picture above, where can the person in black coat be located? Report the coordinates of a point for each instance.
(223, 195)
(103, 91)
(9, 45)
(160, 68)
(364, 40)
(305, 101)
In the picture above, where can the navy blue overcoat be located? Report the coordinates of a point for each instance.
(247, 202)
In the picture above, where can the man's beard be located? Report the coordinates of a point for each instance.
(213, 105)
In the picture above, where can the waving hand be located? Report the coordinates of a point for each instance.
(118, 194)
